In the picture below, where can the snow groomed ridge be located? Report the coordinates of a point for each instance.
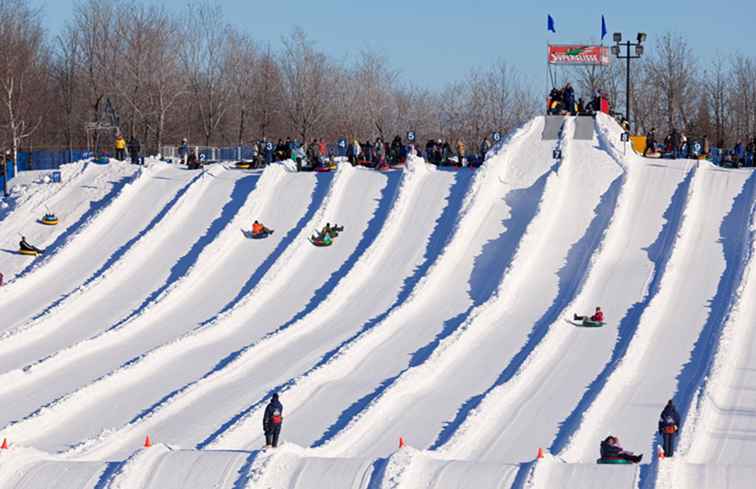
(440, 315)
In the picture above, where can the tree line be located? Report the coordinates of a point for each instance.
(174, 74)
(673, 88)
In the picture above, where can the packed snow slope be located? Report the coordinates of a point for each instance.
(442, 316)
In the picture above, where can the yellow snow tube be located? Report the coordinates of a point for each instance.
(28, 252)
(50, 221)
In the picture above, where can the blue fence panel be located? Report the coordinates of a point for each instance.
(10, 173)
(48, 159)
(228, 154)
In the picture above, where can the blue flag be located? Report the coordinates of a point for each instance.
(550, 24)
(603, 28)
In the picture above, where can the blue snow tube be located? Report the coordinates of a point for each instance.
(49, 220)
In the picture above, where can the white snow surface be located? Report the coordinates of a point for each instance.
(441, 316)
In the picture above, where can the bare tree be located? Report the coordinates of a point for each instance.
(241, 71)
(743, 90)
(64, 71)
(305, 83)
(94, 20)
(267, 94)
(375, 86)
(716, 86)
(672, 69)
(22, 59)
(204, 54)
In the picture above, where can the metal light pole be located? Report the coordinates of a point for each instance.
(628, 56)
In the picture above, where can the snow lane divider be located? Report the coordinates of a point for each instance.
(232, 238)
(580, 437)
(538, 353)
(460, 342)
(99, 217)
(140, 367)
(129, 257)
(730, 325)
(484, 188)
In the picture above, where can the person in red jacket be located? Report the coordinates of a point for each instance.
(598, 316)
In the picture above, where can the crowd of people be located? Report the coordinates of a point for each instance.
(678, 145)
(377, 153)
(562, 101)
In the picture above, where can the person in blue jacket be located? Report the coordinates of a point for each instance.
(669, 424)
(272, 421)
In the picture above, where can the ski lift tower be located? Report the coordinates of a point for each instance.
(108, 122)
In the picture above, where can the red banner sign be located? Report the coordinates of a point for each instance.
(578, 55)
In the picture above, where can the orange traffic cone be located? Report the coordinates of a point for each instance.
(540, 454)
(147, 442)
(4, 446)
(401, 442)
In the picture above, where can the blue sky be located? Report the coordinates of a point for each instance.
(434, 42)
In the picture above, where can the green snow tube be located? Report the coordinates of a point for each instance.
(592, 324)
(613, 461)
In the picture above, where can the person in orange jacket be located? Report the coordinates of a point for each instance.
(258, 230)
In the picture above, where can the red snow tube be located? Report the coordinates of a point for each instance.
(323, 169)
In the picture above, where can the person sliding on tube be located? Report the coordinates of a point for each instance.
(598, 317)
(272, 421)
(669, 423)
(27, 247)
(260, 230)
(612, 450)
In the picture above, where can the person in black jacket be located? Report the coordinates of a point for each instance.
(669, 423)
(611, 449)
(24, 245)
(650, 142)
(134, 148)
(272, 421)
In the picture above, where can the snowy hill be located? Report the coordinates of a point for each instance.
(441, 315)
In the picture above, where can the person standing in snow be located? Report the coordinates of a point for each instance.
(120, 147)
(272, 421)
(669, 424)
(568, 95)
(650, 141)
(183, 151)
(461, 153)
(134, 148)
(313, 154)
(485, 147)
(380, 153)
